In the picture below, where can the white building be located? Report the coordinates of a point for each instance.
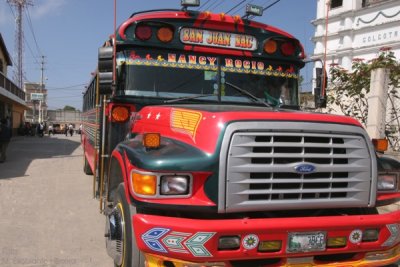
(355, 29)
(358, 29)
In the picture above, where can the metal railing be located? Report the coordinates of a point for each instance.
(11, 87)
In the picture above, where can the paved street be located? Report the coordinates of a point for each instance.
(48, 216)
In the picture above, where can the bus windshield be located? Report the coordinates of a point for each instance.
(172, 76)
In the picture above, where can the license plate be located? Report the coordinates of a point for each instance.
(306, 242)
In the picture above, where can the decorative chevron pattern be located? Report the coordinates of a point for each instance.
(394, 237)
(158, 240)
(196, 244)
(174, 243)
(151, 238)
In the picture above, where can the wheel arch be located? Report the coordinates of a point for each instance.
(117, 174)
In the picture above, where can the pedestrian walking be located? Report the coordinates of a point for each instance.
(71, 129)
(66, 130)
(51, 130)
(40, 129)
(5, 137)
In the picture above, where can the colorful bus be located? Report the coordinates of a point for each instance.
(201, 156)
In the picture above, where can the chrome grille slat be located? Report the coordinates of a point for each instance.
(301, 156)
(277, 168)
(259, 144)
(259, 167)
(277, 181)
(245, 192)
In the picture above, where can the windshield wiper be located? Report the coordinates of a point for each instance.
(249, 95)
(187, 98)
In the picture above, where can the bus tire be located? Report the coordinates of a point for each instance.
(131, 256)
(86, 167)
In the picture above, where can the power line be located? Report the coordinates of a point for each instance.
(244, 6)
(67, 96)
(265, 8)
(213, 5)
(241, 2)
(67, 87)
(27, 14)
(220, 3)
(202, 6)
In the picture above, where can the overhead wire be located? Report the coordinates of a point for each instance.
(265, 8)
(208, 7)
(220, 3)
(244, 6)
(215, 5)
(27, 14)
(241, 2)
(202, 6)
(67, 87)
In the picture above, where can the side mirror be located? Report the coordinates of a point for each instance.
(320, 89)
(105, 69)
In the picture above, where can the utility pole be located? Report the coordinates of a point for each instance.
(19, 39)
(41, 115)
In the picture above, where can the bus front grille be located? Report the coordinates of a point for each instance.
(284, 169)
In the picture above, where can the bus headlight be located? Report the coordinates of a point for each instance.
(387, 182)
(175, 184)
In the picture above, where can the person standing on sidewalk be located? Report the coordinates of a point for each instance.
(51, 132)
(71, 129)
(5, 137)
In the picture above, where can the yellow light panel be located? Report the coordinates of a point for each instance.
(144, 184)
(270, 246)
(336, 242)
(185, 121)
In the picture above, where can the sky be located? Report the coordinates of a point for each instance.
(68, 34)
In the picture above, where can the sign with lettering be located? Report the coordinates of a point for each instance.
(206, 62)
(218, 39)
(377, 36)
(37, 96)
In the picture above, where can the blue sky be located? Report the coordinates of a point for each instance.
(69, 32)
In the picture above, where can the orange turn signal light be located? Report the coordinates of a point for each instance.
(270, 46)
(151, 140)
(165, 34)
(381, 145)
(144, 184)
(120, 114)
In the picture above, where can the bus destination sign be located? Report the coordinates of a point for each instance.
(218, 39)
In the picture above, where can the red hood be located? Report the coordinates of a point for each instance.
(200, 125)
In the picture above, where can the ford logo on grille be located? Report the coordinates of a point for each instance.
(305, 168)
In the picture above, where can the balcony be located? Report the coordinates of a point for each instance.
(11, 87)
